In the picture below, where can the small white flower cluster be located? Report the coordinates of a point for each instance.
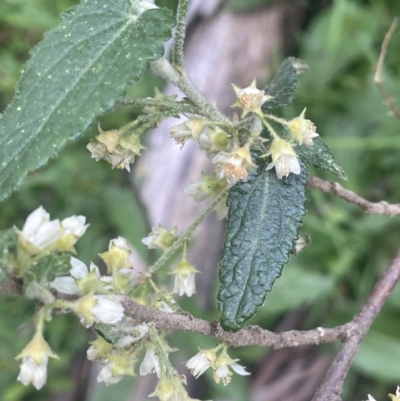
(221, 365)
(117, 149)
(118, 360)
(42, 233)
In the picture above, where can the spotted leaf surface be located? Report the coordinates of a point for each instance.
(78, 71)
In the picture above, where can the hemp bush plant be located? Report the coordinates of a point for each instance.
(78, 72)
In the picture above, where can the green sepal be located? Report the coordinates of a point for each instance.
(78, 71)
(264, 218)
(283, 88)
(319, 155)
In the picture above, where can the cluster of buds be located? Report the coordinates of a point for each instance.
(209, 136)
(219, 360)
(40, 233)
(115, 362)
(118, 148)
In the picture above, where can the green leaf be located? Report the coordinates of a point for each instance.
(264, 218)
(77, 72)
(319, 155)
(283, 87)
(8, 251)
(48, 268)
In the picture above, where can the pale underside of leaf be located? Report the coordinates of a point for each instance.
(77, 72)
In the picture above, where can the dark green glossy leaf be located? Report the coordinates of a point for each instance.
(77, 72)
(319, 155)
(283, 87)
(264, 218)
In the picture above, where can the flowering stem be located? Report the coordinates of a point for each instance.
(174, 307)
(186, 235)
(177, 51)
(40, 318)
(163, 68)
(269, 128)
(277, 119)
(165, 364)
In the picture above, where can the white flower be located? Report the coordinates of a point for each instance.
(75, 225)
(118, 254)
(106, 375)
(67, 285)
(197, 191)
(150, 363)
(223, 373)
(222, 365)
(250, 99)
(284, 159)
(190, 129)
(108, 309)
(208, 186)
(199, 363)
(35, 357)
(34, 373)
(160, 238)
(234, 166)
(302, 130)
(39, 230)
(184, 278)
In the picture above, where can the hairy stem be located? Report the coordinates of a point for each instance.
(164, 68)
(186, 235)
(179, 40)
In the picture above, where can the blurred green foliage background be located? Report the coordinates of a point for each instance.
(332, 278)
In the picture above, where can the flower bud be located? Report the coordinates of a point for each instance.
(302, 130)
(190, 129)
(117, 256)
(160, 238)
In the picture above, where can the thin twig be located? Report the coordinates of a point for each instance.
(250, 335)
(335, 188)
(378, 72)
(331, 387)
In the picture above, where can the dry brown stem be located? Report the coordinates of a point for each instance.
(250, 335)
(378, 72)
(335, 188)
(331, 387)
